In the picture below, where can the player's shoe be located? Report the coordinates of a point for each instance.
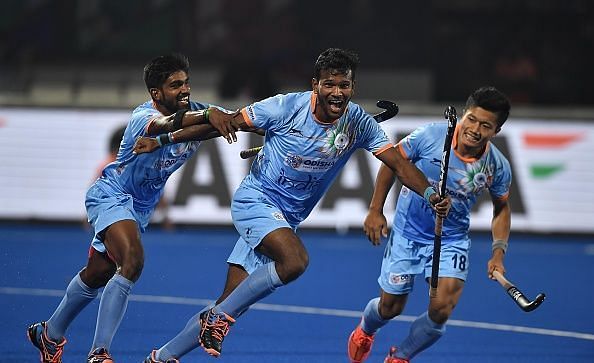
(391, 357)
(152, 359)
(99, 355)
(213, 329)
(49, 351)
(359, 345)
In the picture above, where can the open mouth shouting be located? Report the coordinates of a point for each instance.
(183, 100)
(336, 106)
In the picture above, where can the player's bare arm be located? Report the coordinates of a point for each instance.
(500, 229)
(414, 179)
(176, 121)
(375, 224)
(191, 133)
(223, 122)
(194, 132)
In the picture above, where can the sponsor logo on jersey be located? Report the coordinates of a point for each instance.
(309, 183)
(278, 216)
(296, 132)
(399, 279)
(164, 164)
(308, 164)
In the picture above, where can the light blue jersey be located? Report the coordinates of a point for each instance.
(300, 160)
(467, 179)
(409, 251)
(132, 185)
(301, 156)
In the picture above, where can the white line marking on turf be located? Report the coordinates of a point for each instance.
(310, 310)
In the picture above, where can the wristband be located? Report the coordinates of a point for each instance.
(428, 192)
(163, 139)
(499, 243)
(206, 112)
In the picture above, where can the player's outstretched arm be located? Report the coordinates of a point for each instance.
(225, 123)
(180, 119)
(194, 133)
(415, 180)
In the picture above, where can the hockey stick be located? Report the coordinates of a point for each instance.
(450, 115)
(517, 295)
(390, 110)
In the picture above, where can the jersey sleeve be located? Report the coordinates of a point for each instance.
(141, 118)
(412, 144)
(269, 114)
(374, 138)
(502, 178)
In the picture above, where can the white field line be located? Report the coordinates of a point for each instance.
(310, 310)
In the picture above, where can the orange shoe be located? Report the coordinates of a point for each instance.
(214, 329)
(152, 358)
(359, 345)
(99, 355)
(391, 358)
(50, 351)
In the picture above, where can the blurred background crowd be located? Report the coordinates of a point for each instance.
(91, 52)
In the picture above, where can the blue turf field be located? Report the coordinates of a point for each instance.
(309, 320)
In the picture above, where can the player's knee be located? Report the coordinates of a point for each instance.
(132, 267)
(440, 314)
(97, 277)
(389, 310)
(292, 268)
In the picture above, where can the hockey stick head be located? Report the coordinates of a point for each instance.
(390, 110)
(523, 302)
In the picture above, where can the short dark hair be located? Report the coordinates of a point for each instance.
(492, 100)
(336, 59)
(160, 68)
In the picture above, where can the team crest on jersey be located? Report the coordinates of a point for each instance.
(339, 138)
(477, 176)
(341, 141)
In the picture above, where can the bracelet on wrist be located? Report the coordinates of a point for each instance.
(206, 114)
(499, 243)
(163, 139)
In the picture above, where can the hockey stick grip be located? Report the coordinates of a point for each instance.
(502, 280)
(436, 256)
(450, 115)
